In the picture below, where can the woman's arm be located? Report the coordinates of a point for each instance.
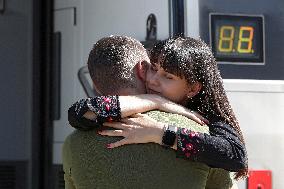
(88, 113)
(221, 149)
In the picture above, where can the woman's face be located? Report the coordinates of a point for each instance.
(165, 84)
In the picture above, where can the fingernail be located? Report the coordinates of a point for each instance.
(108, 146)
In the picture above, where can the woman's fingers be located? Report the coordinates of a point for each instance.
(118, 143)
(200, 117)
(141, 120)
(117, 125)
(132, 119)
(127, 120)
(137, 132)
(137, 115)
(112, 132)
(196, 119)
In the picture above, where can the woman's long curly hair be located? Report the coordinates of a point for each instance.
(193, 60)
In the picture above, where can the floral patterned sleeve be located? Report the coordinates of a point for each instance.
(221, 149)
(105, 107)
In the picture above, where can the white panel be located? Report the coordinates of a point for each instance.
(102, 18)
(70, 87)
(192, 18)
(97, 19)
(61, 4)
(57, 152)
(259, 106)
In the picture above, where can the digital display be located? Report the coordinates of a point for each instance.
(237, 39)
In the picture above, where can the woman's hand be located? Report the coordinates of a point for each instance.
(145, 102)
(171, 107)
(136, 129)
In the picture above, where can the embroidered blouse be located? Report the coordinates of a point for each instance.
(221, 149)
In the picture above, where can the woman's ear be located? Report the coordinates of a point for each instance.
(141, 69)
(194, 89)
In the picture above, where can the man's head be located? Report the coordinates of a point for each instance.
(115, 65)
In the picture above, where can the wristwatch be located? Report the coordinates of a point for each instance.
(169, 136)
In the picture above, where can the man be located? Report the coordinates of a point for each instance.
(116, 67)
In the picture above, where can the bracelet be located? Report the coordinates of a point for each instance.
(169, 136)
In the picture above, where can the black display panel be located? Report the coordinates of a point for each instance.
(237, 38)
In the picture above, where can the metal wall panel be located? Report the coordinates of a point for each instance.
(273, 13)
(81, 24)
(16, 47)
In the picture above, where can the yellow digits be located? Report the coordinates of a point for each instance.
(226, 39)
(245, 40)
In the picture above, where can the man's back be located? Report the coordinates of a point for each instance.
(91, 165)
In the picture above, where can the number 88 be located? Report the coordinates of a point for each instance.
(229, 39)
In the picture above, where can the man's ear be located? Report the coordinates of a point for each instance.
(141, 69)
(194, 89)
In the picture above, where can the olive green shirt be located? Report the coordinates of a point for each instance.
(88, 164)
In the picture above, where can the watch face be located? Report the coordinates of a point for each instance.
(172, 127)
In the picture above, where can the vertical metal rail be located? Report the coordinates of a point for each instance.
(42, 132)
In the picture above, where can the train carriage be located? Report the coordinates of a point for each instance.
(44, 44)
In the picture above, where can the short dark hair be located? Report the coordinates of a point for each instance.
(112, 60)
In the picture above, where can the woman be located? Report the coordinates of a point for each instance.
(184, 71)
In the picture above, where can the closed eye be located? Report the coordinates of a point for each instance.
(169, 76)
(153, 68)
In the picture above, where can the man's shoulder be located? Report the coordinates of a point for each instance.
(178, 120)
(79, 138)
(90, 156)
